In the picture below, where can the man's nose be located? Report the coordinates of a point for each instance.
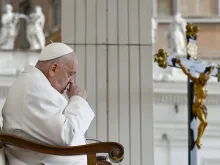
(71, 79)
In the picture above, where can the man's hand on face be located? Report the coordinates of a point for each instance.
(74, 90)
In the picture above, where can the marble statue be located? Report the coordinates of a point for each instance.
(176, 36)
(158, 73)
(9, 29)
(35, 26)
(176, 43)
(154, 28)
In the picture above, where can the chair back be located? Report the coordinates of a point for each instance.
(115, 150)
(2, 153)
(2, 156)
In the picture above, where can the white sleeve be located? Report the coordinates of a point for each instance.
(79, 113)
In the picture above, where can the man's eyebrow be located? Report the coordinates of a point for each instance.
(72, 72)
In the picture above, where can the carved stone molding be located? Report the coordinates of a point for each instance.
(176, 93)
(174, 98)
(177, 135)
(211, 161)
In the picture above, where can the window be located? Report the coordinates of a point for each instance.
(56, 14)
(164, 8)
(185, 8)
(6, 2)
(208, 8)
(188, 8)
(199, 8)
(2, 4)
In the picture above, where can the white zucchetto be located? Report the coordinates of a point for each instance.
(54, 50)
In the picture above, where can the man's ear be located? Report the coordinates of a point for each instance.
(53, 69)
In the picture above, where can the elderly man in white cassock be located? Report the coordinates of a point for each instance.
(36, 108)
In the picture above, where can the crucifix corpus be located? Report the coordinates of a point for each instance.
(196, 87)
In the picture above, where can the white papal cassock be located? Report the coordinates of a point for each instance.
(36, 111)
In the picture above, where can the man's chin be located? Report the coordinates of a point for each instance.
(62, 92)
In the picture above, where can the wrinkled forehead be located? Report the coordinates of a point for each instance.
(72, 61)
(75, 60)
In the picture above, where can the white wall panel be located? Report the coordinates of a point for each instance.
(80, 23)
(101, 115)
(147, 119)
(90, 71)
(134, 105)
(81, 70)
(70, 29)
(112, 21)
(113, 124)
(133, 21)
(102, 21)
(123, 21)
(91, 9)
(145, 21)
(124, 118)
